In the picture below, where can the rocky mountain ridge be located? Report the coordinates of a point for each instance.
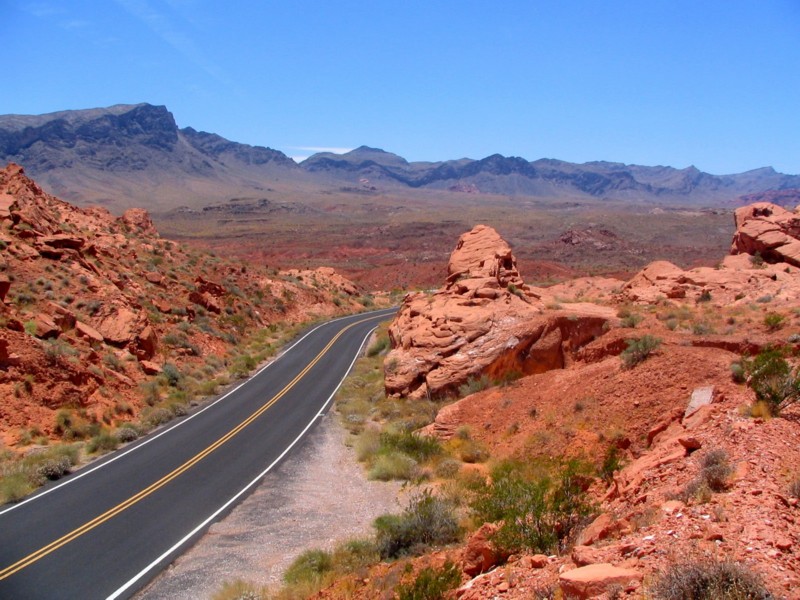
(136, 153)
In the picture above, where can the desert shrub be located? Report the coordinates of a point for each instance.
(638, 350)
(310, 566)
(631, 320)
(773, 321)
(702, 328)
(427, 520)
(240, 590)
(54, 467)
(70, 426)
(355, 554)
(55, 350)
(380, 344)
(757, 260)
(715, 472)
(773, 380)
(126, 434)
(611, 463)
(20, 476)
(113, 362)
(30, 327)
(419, 447)
(538, 511)
(716, 469)
(794, 487)
(765, 299)
(156, 417)
(150, 392)
(394, 465)
(705, 296)
(15, 486)
(171, 374)
(709, 580)
(472, 452)
(430, 583)
(737, 372)
(474, 385)
(242, 365)
(102, 442)
(448, 468)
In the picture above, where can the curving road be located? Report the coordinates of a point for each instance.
(108, 529)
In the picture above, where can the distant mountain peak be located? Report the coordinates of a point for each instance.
(369, 149)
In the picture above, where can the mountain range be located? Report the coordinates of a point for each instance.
(128, 155)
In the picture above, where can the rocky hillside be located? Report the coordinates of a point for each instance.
(103, 322)
(677, 392)
(136, 155)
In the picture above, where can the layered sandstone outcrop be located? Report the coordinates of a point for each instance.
(769, 230)
(761, 228)
(485, 321)
(92, 305)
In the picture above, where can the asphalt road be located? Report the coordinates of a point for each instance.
(108, 529)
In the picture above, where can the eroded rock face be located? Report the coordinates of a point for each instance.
(735, 280)
(485, 321)
(770, 230)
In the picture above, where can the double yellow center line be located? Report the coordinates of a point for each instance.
(111, 513)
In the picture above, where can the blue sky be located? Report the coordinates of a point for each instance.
(715, 83)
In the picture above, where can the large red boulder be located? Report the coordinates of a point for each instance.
(770, 230)
(485, 321)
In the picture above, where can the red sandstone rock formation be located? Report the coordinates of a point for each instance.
(770, 230)
(484, 322)
(86, 300)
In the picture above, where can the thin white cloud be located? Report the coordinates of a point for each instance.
(161, 25)
(42, 10)
(334, 150)
(75, 24)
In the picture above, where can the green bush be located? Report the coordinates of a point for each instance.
(538, 511)
(172, 374)
(156, 417)
(380, 344)
(709, 581)
(15, 486)
(773, 321)
(474, 385)
(102, 442)
(419, 447)
(773, 380)
(631, 320)
(70, 426)
(427, 520)
(738, 373)
(431, 584)
(394, 465)
(611, 463)
(310, 566)
(714, 475)
(638, 350)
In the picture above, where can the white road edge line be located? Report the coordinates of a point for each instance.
(168, 429)
(194, 531)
